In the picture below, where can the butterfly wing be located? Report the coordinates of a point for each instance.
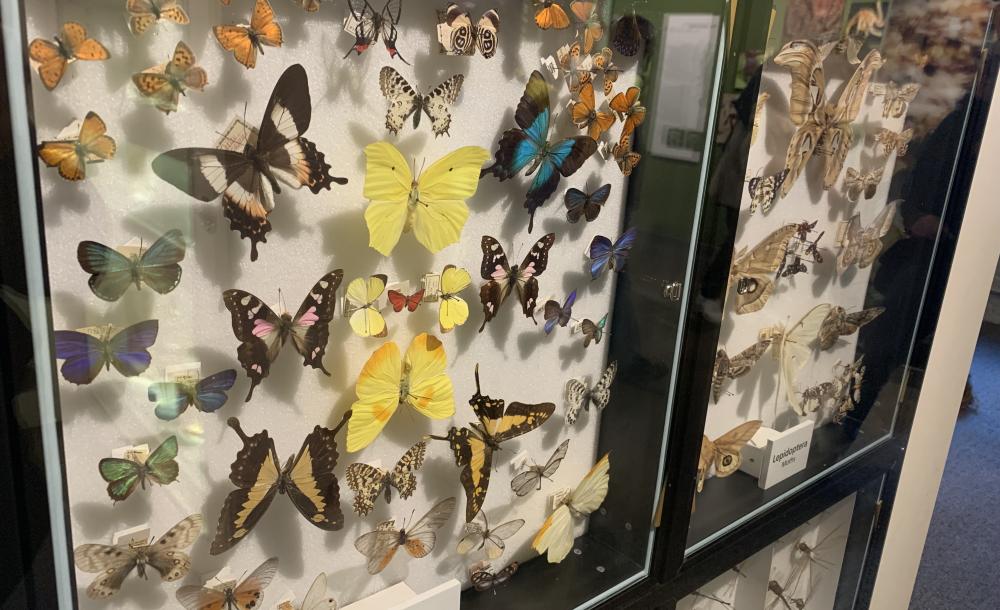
(377, 390)
(112, 562)
(171, 399)
(311, 323)
(551, 16)
(158, 267)
(577, 397)
(84, 356)
(496, 270)
(161, 465)
(495, 538)
(436, 104)
(601, 394)
(562, 158)
(236, 39)
(403, 100)
(313, 488)
(795, 349)
(403, 477)
(533, 265)
(122, 476)
(258, 329)
(363, 294)
(193, 597)
(870, 240)
(524, 482)
(367, 482)
(474, 538)
(441, 211)
(600, 251)
(487, 39)
(262, 22)
(555, 537)
(555, 460)
(74, 36)
(166, 555)
(834, 327)
(453, 310)
(388, 182)
(128, 348)
(316, 598)
(379, 546)
(430, 389)
(520, 146)
(51, 62)
(576, 202)
(727, 457)
(210, 392)
(751, 272)
(421, 538)
(556, 314)
(590, 493)
(622, 247)
(111, 271)
(248, 593)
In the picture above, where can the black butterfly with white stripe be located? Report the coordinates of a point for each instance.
(249, 178)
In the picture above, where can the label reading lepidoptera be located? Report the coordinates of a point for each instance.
(786, 455)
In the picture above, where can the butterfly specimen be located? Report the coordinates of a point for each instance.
(629, 32)
(758, 115)
(626, 105)
(571, 63)
(70, 45)
(585, 205)
(626, 158)
(556, 535)
(801, 250)
(764, 190)
(85, 354)
(588, 16)
(838, 323)
(248, 178)
(307, 479)
(606, 255)
(164, 85)
(894, 142)
(530, 479)
(474, 446)
(113, 272)
(245, 41)
(600, 65)
(733, 368)
(452, 309)
(404, 101)
(208, 395)
(144, 13)
(386, 381)
(861, 245)
(400, 301)
(843, 393)
(502, 279)
(724, 452)
(791, 347)
(72, 155)
(123, 475)
(363, 303)
(432, 206)
(823, 127)
(316, 598)
(586, 116)
(262, 332)
(527, 145)
(479, 537)
(380, 546)
(580, 395)
(550, 15)
(368, 25)
(243, 596)
(559, 315)
(593, 332)
(369, 482)
(114, 563)
(483, 577)
(896, 98)
(458, 35)
(856, 183)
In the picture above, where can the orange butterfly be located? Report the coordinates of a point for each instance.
(585, 115)
(627, 107)
(550, 15)
(601, 64)
(165, 84)
(623, 154)
(70, 45)
(245, 41)
(72, 156)
(590, 20)
(144, 13)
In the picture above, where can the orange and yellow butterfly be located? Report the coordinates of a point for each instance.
(623, 154)
(626, 105)
(587, 13)
(586, 116)
(245, 41)
(164, 85)
(144, 13)
(550, 15)
(601, 65)
(70, 45)
(72, 155)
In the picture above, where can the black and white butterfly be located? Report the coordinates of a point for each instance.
(459, 36)
(404, 100)
(502, 279)
(579, 394)
(483, 576)
(369, 25)
(249, 178)
(586, 205)
(530, 479)
(369, 482)
(764, 190)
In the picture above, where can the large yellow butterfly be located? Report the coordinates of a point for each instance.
(556, 535)
(363, 298)
(70, 45)
(245, 41)
(71, 156)
(420, 380)
(432, 206)
(453, 310)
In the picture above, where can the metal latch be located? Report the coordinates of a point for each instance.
(672, 290)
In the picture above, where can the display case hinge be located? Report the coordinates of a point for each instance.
(672, 290)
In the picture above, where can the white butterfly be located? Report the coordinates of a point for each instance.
(481, 536)
(524, 482)
(792, 347)
(404, 100)
(380, 546)
(316, 598)
(556, 535)
(580, 394)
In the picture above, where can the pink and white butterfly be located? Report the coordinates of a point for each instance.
(502, 279)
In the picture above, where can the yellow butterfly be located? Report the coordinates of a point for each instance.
(432, 206)
(453, 310)
(363, 298)
(556, 535)
(419, 380)
(72, 155)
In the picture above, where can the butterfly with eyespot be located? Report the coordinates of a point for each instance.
(527, 146)
(629, 32)
(483, 577)
(315, 599)
(524, 482)
(593, 332)
(856, 183)
(72, 156)
(480, 537)
(164, 84)
(554, 314)
(114, 563)
(262, 332)
(764, 190)
(71, 44)
(606, 255)
(502, 279)
(246, 41)
(626, 158)
(380, 545)
(474, 445)
(404, 101)
(248, 178)
(588, 16)
(626, 105)
(579, 394)
(458, 36)
(585, 115)
(307, 478)
(838, 323)
(752, 270)
(585, 205)
(861, 245)
(113, 272)
(368, 25)
(85, 355)
(726, 368)
(174, 397)
(724, 452)
(369, 482)
(124, 475)
(402, 301)
(894, 142)
(244, 596)
(144, 13)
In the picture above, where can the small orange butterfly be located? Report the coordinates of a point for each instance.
(623, 154)
(587, 13)
(626, 105)
(550, 15)
(586, 116)
(71, 156)
(165, 84)
(144, 13)
(70, 45)
(245, 41)
(601, 65)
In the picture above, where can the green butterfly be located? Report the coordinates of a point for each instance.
(123, 475)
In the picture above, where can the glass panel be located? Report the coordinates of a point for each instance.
(852, 146)
(296, 342)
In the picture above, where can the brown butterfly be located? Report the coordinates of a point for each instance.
(164, 85)
(896, 98)
(245, 41)
(838, 323)
(724, 452)
(751, 271)
(144, 13)
(894, 142)
(856, 183)
(70, 45)
(601, 66)
(72, 155)
(735, 367)
(244, 596)
(586, 116)
(589, 18)
(626, 158)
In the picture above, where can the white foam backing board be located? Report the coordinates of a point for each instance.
(312, 234)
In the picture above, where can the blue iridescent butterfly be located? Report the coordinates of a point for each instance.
(554, 314)
(85, 355)
(605, 255)
(527, 145)
(173, 398)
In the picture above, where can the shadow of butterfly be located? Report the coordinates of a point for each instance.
(124, 475)
(71, 44)
(112, 272)
(85, 355)
(163, 85)
(207, 395)
(72, 155)
(246, 41)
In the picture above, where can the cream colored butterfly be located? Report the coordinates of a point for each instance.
(792, 347)
(453, 310)
(432, 205)
(363, 304)
(556, 535)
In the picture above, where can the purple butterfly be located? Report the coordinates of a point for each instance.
(85, 355)
(554, 314)
(605, 255)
